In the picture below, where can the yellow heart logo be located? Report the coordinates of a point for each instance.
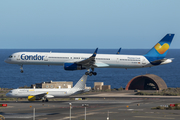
(161, 49)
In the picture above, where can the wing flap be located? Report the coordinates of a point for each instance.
(101, 65)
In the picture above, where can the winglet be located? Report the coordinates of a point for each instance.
(118, 51)
(95, 52)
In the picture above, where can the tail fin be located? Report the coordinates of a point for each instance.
(159, 51)
(81, 83)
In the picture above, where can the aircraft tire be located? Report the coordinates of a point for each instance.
(90, 74)
(95, 73)
(21, 71)
(86, 73)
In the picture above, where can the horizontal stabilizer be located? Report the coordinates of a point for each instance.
(162, 61)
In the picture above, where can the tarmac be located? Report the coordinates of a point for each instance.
(101, 106)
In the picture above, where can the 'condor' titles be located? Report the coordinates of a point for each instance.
(31, 57)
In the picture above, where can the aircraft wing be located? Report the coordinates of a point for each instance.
(37, 96)
(40, 95)
(89, 61)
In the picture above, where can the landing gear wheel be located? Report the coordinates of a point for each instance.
(21, 71)
(90, 74)
(86, 73)
(42, 100)
(94, 73)
(21, 68)
(47, 100)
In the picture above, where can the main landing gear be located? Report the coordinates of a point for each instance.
(43, 100)
(90, 73)
(21, 68)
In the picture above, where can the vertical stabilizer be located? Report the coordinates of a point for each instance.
(159, 51)
(81, 83)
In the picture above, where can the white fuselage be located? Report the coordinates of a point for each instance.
(51, 93)
(101, 60)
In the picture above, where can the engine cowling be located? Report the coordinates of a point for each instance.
(73, 66)
(33, 98)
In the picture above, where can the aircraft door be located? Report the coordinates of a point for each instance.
(18, 57)
(143, 61)
(46, 58)
(117, 60)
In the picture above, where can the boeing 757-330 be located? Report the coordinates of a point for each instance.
(80, 61)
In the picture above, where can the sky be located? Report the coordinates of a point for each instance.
(87, 24)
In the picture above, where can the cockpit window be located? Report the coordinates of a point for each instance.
(10, 91)
(10, 56)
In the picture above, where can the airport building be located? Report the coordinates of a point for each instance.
(141, 82)
(101, 86)
(146, 82)
(56, 84)
(51, 84)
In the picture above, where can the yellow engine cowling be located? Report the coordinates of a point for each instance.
(33, 98)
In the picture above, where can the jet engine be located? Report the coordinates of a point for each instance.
(73, 66)
(33, 98)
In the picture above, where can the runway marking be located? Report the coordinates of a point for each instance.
(151, 117)
(78, 116)
(173, 115)
(22, 115)
(132, 109)
(149, 112)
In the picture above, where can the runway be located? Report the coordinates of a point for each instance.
(116, 109)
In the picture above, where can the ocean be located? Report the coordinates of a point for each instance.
(10, 76)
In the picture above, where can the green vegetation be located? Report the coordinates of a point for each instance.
(121, 88)
(165, 92)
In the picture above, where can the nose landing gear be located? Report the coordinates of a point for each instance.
(21, 68)
(43, 100)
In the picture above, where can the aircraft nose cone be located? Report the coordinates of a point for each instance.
(7, 60)
(8, 95)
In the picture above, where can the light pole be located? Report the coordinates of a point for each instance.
(70, 111)
(85, 105)
(33, 113)
(108, 115)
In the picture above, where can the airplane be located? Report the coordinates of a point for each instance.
(42, 94)
(81, 61)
